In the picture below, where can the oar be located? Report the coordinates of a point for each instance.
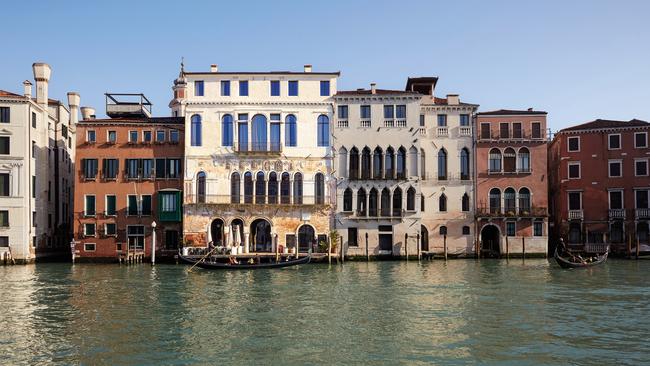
(202, 259)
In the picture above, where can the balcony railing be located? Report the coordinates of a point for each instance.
(342, 123)
(576, 214)
(446, 177)
(617, 213)
(423, 131)
(400, 122)
(511, 212)
(465, 131)
(282, 200)
(259, 148)
(379, 215)
(642, 213)
(516, 171)
(365, 123)
(389, 123)
(442, 131)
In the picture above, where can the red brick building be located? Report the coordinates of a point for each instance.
(129, 174)
(511, 182)
(600, 183)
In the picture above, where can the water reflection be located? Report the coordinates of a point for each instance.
(488, 312)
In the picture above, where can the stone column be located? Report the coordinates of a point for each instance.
(246, 241)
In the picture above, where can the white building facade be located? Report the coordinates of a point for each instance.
(37, 139)
(258, 158)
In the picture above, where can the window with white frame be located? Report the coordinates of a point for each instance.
(616, 199)
(614, 141)
(538, 228)
(574, 170)
(575, 200)
(89, 247)
(111, 137)
(89, 229)
(110, 229)
(89, 205)
(133, 136)
(573, 144)
(160, 136)
(91, 136)
(511, 228)
(615, 168)
(641, 198)
(640, 140)
(146, 136)
(641, 167)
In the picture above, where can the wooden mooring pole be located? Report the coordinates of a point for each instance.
(406, 246)
(342, 251)
(507, 249)
(523, 248)
(629, 246)
(329, 250)
(367, 249)
(419, 248)
(444, 243)
(638, 248)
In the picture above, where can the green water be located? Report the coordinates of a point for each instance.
(380, 313)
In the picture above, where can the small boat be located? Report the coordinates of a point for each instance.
(565, 263)
(216, 265)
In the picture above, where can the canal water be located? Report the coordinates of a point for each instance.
(378, 313)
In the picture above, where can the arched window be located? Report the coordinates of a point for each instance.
(320, 188)
(234, 187)
(260, 188)
(390, 163)
(464, 204)
(226, 130)
(509, 160)
(423, 165)
(361, 203)
(401, 163)
(258, 133)
(377, 163)
(248, 187)
(494, 161)
(285, 189)
(365, 163)
(443, 230)
(464, 164)
(509, 200)
(297, 189)
(524, 200)
(343, 163)
(442, 164)
(273, 188)
(347, 200)
(385, 202)
(410, 199)
(397, 202)
(495, 201)
(200, 187)
(413, 161)
(196, 130)
(290, 131)
(372, 203)
(424, 239)
(442, 203)
(354, 163)
(524, 160)
(323, 130)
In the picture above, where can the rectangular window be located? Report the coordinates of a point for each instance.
(173, 136)
(538, 228)
(133, 136)
(275, 88)
(33, 149)
(293, 88)
(146, 137)
(422, 120)
(168, 203)
(4, 184)
(536, 130)
(504, 131)
(290, 240)
(575, 201)
(573, 144)
(198, 88)
(615, 200)
(4, 218)
(89, 229)
(225, 88)
(343, 112)
(389, 111)
(161, 164)
(243, 88)
(4, 241)
(614, 141)
(33, 186)
(641, 168)
(442, 120)
(4, 115)
(324, 88)
(516, 130)
(4, 145)
(485, 130)
(147, 168)
(90, 136)
(110, 229)
(132, 168)
(640, 140)
(145, 202)
(89, 168)
(89, 205)
(511, 228)
(174, 168)
(33, 119)
(574, 170)
(642, 198)
(89, 247)
(615, 168)
(464, 119)
(110, 168)
(132, 205)
(365, 112)
(400, 111)
(112, 137)
(111, 205)
(160, 136)
(353, 237)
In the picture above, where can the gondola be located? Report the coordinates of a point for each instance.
(565, 263)
(228, 266)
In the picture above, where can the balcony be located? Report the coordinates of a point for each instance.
(389, 123)
(226, 199)
(442, 131)
(521, 212)
(342, 123)
(379, 215)
(576, 214)
(465, 131)
(642, 213)
(365, 123)
(618, 213)
(400, 122)
(259, 148)
(423, 131)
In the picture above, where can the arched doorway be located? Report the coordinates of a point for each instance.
(490, 239)
(424, 239)
(216, 232)
(261, 239)
(306, 238)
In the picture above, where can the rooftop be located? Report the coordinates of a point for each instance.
(422, 84)
(607, 123)
(377, 92)
(144, 120)
(510, 112)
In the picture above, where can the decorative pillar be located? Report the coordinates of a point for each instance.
(246, 242)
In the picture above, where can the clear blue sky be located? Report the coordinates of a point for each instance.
(578, 60)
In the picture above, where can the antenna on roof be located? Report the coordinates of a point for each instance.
(182, 65)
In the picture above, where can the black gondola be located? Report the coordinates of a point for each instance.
(216, 265)
(565, 263)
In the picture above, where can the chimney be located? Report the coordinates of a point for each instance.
(27, 85)
(373, 88)
(42, 72)
(87, 113)
(307, 68)
(453, 99)
(73, 104)
(214, 68)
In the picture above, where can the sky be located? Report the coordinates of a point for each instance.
(578, 60)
